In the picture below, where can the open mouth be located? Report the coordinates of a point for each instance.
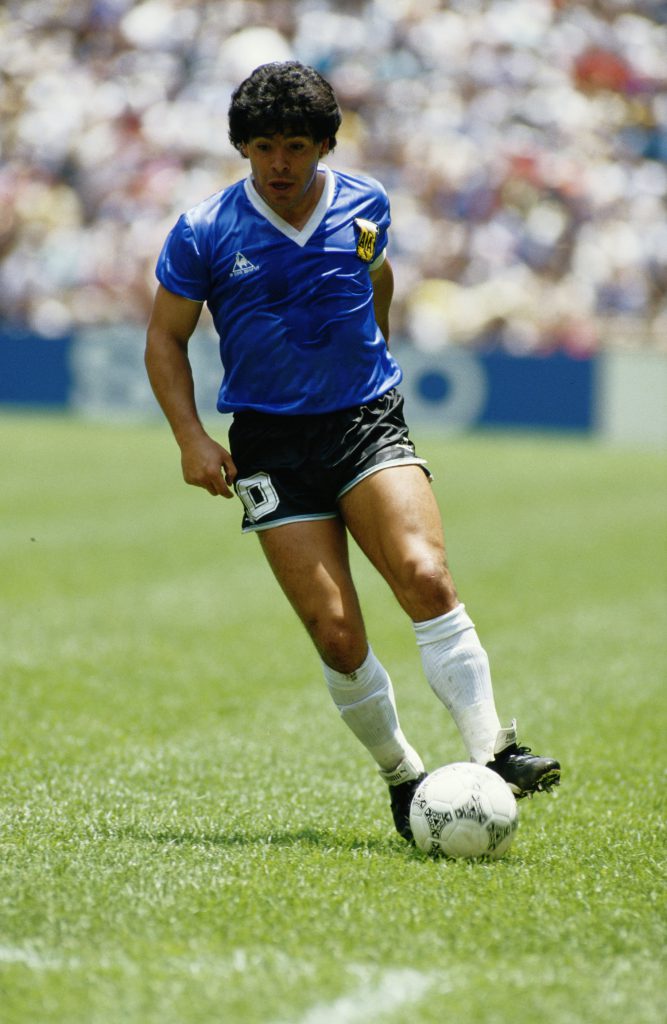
(280, 186)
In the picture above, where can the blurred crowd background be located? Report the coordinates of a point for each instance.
(523, 144)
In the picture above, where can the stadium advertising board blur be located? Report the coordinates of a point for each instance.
(620, 395)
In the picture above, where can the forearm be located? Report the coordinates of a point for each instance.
(204, 462)
(170, 375)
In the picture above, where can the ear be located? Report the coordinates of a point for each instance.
(324, 147)
(244, 150)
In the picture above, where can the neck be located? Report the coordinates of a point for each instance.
(299, 215)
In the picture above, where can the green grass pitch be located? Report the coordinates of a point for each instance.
(189, 835)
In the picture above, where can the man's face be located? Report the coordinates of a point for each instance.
(284, 169)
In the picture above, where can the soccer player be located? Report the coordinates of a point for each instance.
(292, 263)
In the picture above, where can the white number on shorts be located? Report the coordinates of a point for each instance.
(258, 495)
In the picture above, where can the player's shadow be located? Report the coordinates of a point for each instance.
(274, 839)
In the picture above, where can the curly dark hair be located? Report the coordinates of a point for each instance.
(284, 97)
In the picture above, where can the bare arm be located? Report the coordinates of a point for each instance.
(205, 463)
(382, 280)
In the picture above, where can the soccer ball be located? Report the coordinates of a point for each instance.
(463, 810)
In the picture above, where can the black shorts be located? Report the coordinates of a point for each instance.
(292, 468)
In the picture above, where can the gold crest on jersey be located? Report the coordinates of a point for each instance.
(368, 236)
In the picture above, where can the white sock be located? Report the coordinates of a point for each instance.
(365, 699)
(457, 668)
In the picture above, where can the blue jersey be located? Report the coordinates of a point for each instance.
(293, 308)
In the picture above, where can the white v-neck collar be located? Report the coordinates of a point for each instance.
(299, 236)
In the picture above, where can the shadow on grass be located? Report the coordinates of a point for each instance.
(323, 839)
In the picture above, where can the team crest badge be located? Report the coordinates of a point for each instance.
(367, 240)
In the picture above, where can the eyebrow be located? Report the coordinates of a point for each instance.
(286, 135)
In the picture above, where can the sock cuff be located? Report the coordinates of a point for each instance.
(408, 770)
(443, 627)
(349, 677)
(352, 687)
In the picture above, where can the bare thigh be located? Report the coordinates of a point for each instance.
(394, 518)
(310, 560)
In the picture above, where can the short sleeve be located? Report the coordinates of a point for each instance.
(377, 263)
(180, 267)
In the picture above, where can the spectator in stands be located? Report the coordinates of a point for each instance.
(535, 161)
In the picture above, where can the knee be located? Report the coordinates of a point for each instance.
(427, 589)
(341, 644)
